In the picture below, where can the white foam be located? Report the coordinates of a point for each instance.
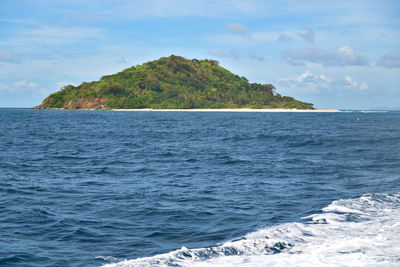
(374, 111)
(108, 258)
(364, 231)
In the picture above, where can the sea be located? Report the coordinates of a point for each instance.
(149, 188)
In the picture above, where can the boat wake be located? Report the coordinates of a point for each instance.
(351, 232)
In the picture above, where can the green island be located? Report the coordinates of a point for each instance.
(171, 83)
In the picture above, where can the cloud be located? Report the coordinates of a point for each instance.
(34, 43)
(6, 56)
(22, 86)
(364, 86)
(306, 81)
(54, 34)
(344, 56)
(390, 60)
(18, 21)
(71, 54)
(93, 17)
(256, 56)
(121, 60)
(25, 84)
(348, 83)
(234, 54)
(4, 87)
(37, 54)
(310, 82)
(285, 38)
(42, 36)
(308, 35)
(236, 28)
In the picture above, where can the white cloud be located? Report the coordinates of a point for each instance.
(236, 28)
(390, 60)
(27, 86)
(43, 36)
(306, 81)
(35, 43)
(122, 60)
(221, 53)
(23, 87)
(54, 34)
(24, 83)
(350, 82)
(308, 35)
(235, 54)
(283, 37)
(310, 82)
(264, 36)
(344, 56)
(363, 86)
(256, 56)
(6, 56)
(4, 87)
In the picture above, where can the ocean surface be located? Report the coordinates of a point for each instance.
(93, 188)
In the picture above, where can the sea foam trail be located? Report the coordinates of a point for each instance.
(363, 231)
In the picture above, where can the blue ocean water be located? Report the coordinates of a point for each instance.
(88, 188)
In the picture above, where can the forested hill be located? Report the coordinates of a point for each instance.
(171, 82)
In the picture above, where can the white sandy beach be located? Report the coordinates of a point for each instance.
(234, 110)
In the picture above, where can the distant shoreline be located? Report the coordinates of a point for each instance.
(233, 110)
(207, 109)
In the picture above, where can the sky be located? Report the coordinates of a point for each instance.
(334, 54)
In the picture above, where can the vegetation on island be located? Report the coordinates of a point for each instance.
(171, 82)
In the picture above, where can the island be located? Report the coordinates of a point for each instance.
(172, 83)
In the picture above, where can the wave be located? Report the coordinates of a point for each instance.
(374, 111)
(349, 232)
(368, 111)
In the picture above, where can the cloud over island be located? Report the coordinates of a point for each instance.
(344, 56)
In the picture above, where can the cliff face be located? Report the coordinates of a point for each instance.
(171, 82)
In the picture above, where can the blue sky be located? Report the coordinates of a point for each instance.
(335, 54)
